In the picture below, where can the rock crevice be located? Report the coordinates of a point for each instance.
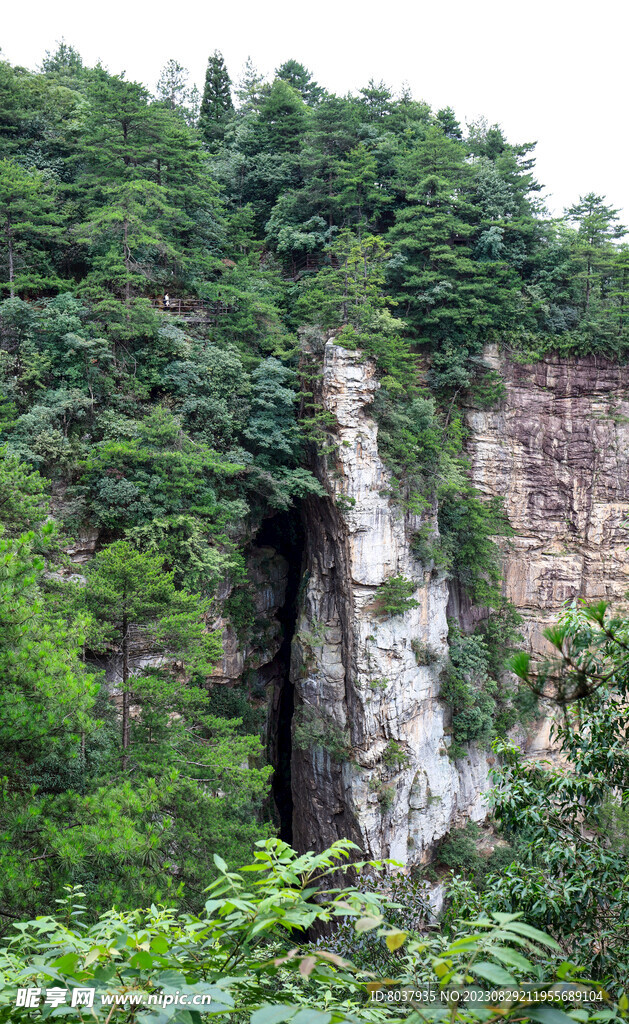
(358, 671)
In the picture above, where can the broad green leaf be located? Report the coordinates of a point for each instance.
(66, 964)
(548, 1015)
(395, 939)
(272, 1014)
(510, 956)
(220, 863)
(142, 959)
(366, 924)
(520, 928)
(308, 1016)
(493, 973)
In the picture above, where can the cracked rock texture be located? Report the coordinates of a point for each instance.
(268, 573)
(557, 449)
(355, 674)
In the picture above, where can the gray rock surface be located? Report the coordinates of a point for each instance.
(356, 671)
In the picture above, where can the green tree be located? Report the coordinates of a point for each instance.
(65, 64)
(299, 78)
(359, 195)
(47, 693)
(172, 85)
(28, 220)
(568, 818)
(128, 590)
(597, 227)
(126, 236)
(446, 294)
(283, 118)
(23, 505)
(275, 436)
(249, 88)
(377, 100)
(217, 107)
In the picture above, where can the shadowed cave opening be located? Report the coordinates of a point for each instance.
(285, 533)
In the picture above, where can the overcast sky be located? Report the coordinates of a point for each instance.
(547, 70)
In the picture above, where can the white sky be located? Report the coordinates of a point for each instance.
(546, 70)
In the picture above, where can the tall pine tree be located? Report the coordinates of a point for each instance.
(217, 106)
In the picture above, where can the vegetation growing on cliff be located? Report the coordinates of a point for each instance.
(158, 256)
(475, 685)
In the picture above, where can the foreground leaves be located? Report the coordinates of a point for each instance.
(249, 958)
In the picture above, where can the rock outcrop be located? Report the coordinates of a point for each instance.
(370, 751)
(268, 572)
(379, 771)
(557, 450)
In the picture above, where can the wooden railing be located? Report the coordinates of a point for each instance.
(192, 309)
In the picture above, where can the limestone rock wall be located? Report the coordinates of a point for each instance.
(268, 572)
(557, 449)
(357, 673)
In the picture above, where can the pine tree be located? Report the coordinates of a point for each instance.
(128, 590)
(27, 220)
(125, 237)
(358, 192)
(146, 191)
(172, 87)
(216, 105)
(451, 297)
(597, 227)
(377, 100)
(249, 88)
(447, 120)
(283, 118)
(65, 64)
(299, 78)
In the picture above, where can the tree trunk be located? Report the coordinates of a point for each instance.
(127, 262)
(125, 692)
(10, 247)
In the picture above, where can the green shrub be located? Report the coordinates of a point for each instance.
(428, 549)
(240, 609)
(468, 690)
(276, 976)
(467, 525)
(379, 684)
(458, 850)
(313, 729)
(395, 596)
(424, 653)
(394, 755)
(385, 793)
(345, 503)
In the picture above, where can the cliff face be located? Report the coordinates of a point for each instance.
(357, 674)
(557, 450)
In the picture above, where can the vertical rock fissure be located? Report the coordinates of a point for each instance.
(283, 532)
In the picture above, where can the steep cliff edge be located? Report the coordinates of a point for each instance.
(557, 450)
(370, 736)
(379, 770)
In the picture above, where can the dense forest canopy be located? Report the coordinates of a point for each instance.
(162, 259)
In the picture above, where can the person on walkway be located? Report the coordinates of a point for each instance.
(166, 300)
